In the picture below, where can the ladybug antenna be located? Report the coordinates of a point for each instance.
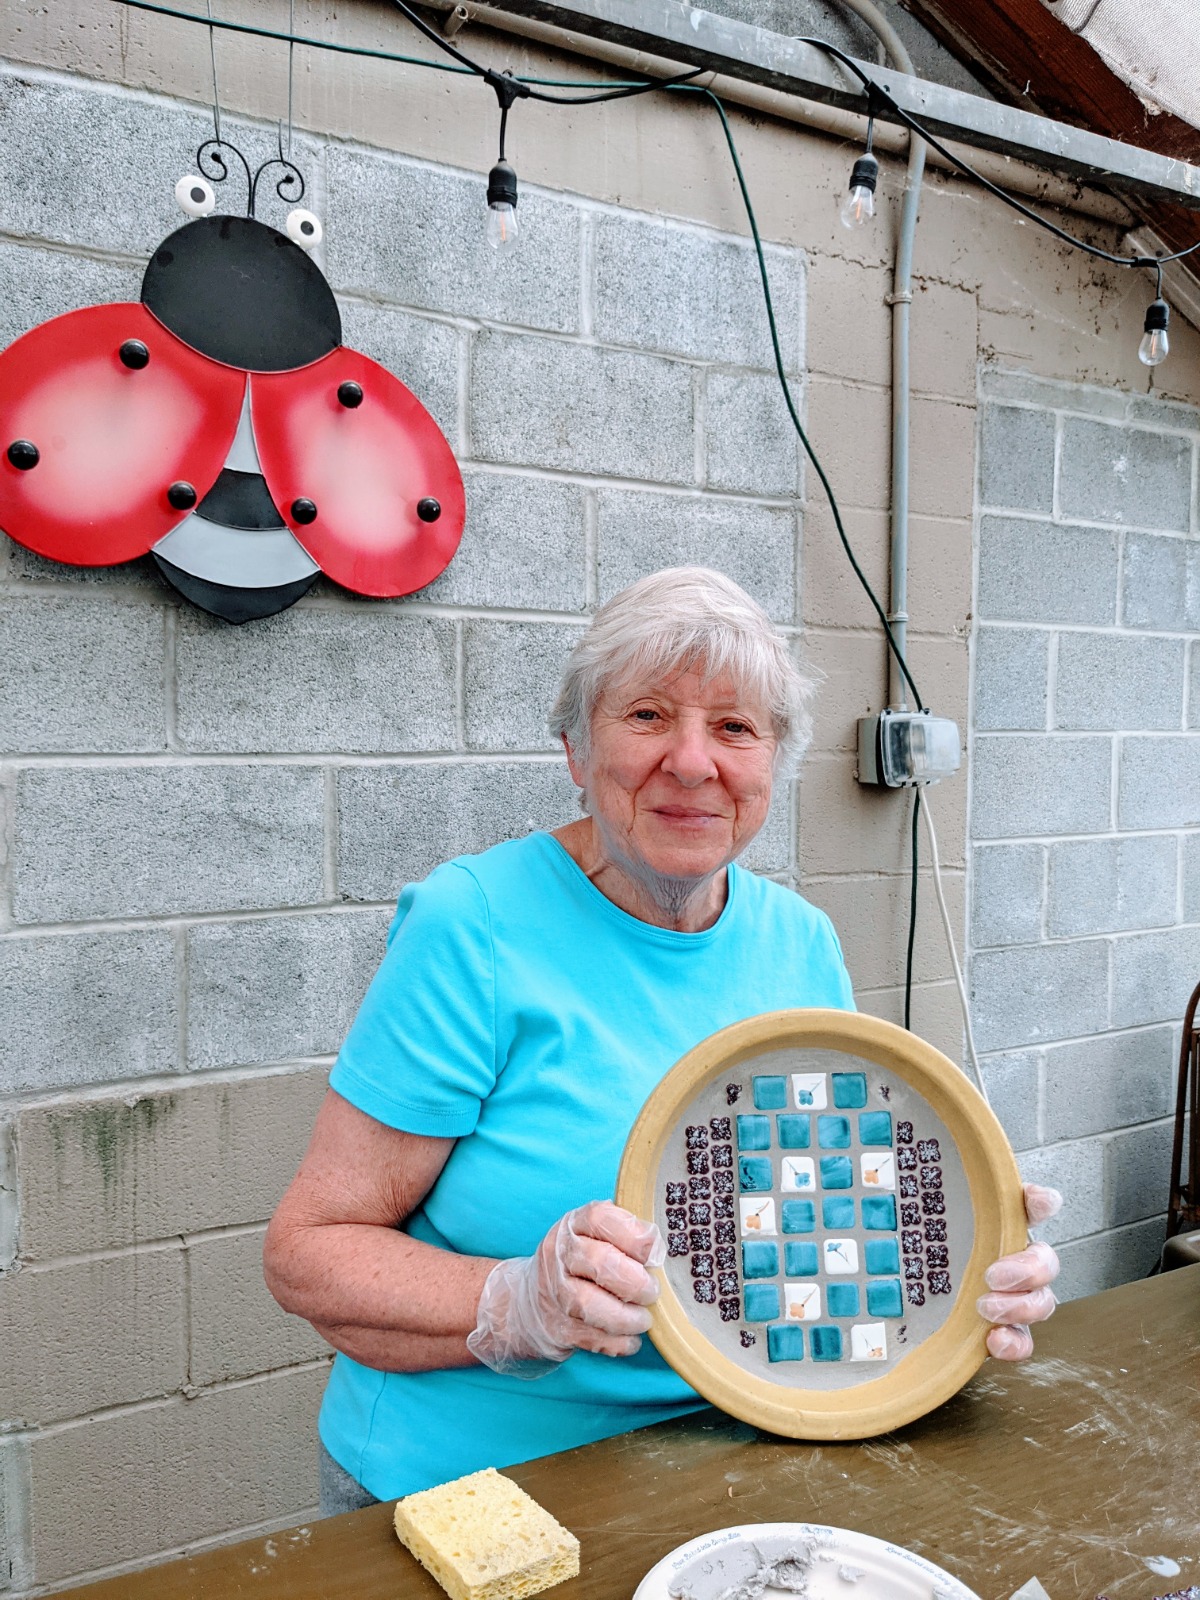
(290, 187)
(210, 159)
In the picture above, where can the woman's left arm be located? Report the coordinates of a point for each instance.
(1019, 1285)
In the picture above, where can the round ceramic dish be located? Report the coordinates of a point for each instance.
(837, 1563)
(831, 1189)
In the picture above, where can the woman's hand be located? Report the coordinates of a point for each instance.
(585, 1288)
(1020, 1284)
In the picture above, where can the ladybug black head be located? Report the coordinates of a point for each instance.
(243, 294)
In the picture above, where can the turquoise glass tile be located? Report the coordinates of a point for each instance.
(795, 1133)
(754, 1133)
(879, 1211)
(833, 1133)
(883, 1255)
(837, 1172)
(799, 1216)
(799, 1260)
(760, 1258)
(849, 1090)
(825, 1343)
(762, 1302)
(883, 1298)
(754, 1174)
(841, 1299)
(785, 1342)
(875, 1127)
(770, 1094)
(837, 1212)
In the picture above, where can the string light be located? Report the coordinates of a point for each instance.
(1155, 344)
(859, 205)
(503, 229)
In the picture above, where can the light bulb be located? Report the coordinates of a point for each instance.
(1155, 344)
(502, 226)
(859, 205)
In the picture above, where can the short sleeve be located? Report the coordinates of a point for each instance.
(421, 1053)
(839, 976)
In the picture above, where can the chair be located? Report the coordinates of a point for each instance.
(1183, 1212)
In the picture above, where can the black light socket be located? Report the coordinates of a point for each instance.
(502, 185)
(865, 173)
(1158, 315)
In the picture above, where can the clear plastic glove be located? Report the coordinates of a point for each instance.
(586, 1288)
(1020, 1284)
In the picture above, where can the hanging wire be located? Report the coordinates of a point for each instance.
(291, 69)
(912, 914)
(212, 51)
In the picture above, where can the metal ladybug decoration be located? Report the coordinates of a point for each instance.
(221, 425)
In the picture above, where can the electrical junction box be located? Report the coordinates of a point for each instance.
(898, 749)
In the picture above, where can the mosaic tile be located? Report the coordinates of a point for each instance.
(754, 1133)
(720, 1129)
(677, 1244)
(928, 1150)
(762, 1302)
(825, 1344)
(699, 1188)
(868, 1342)
(840, 1257)
(754, 1174)
(799, 1216)
(912, 1242)
(697, 1160)
(758, 1216)
(702, 1266)
(695, 1137)
(883, 1298)
(725, 1233)
(878, 1211)
(837, 1212)
(770, 1094)
(915, 1293)
(699, 1214)
(733, 1093)
(722, 1155)
(731, 1311)
(722, 1182)
(878, 1171)
(910, 1215)
(726, 1257)
(914, 1267)
(938, 1255)
(906, 1158)
(935, 1229)
(676, 1217)
(803, 1301)
(795, 1132)
(833, 1133)
(881, 1255)
(841, 1300)
(676, 1194)
(875, 1127)
(908, 1186)
(849, 1090)
(760, 1258)
(939, 1283)
(933, 1203)
(837, 1172)
(727, 1283)
(931, 1177)
(797, 1174)
(785, 1343)
(800, 1259)
(723, 1205)
(700, 1239)
(808, 1091)
(704, 1291)
(904, 1133)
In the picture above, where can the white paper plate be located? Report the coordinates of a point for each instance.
(843, 1565)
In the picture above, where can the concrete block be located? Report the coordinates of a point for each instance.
(100, 1171)
(750, 444)
(1031, 785)
(851, 430)
(397, 822)
(90, 1334)
(1115, 1079)
(939, 569)
(1013, 1086)
(871, 916)
(1138, 1164)
(1153, 975)
(755, 545)
(936, 1014)
(1118, 682)
(423, 354)
(1108, 1259)
(1036, 993)
(187, 1470)
(81, 674)
(1007, 888)
(1045, 572)
(8, 1195)
(849, 321)
(942, 474)
(581, 408)
(138, 841)
(1160, 583)
(1076, 1170)
(510, 681)
(15, 1566)
(770, 851)
(524, 543)
(1110, 885)
(87, 1007)
(847, 827)
(692, 292)
(41, 284)
(1159, 782)
(139, 579)
(413, 234)
(944, 339)
(851, 685)
(1132, 476)
(359, 680)
(1012, 668)
(278, 988)
(1016, 458)
(1191, 877)
(237, 1329)
(1193, 692)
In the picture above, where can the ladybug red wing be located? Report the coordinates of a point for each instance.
(360, 471)
(102, 411)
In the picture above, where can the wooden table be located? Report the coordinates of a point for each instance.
(1074, 1467)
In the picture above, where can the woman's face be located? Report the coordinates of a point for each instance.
(678, 778)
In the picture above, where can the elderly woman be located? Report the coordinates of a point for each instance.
(449, 1231)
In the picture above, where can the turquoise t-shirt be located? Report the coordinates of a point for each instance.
(522, 1013)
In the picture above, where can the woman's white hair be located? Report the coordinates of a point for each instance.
(676, 620)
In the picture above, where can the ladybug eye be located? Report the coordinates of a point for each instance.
(195, 195)
(304, 228)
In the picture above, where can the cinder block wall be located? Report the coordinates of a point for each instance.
(1085, 804)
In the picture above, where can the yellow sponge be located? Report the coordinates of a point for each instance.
(482, 1538)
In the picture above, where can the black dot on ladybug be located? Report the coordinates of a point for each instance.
(429, 509)
(182, 496)
(350, 395)
(304, 511)
(134, 355)
(23, 454)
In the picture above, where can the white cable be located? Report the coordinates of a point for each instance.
(958, 977)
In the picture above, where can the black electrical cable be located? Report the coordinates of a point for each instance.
(912, 914)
